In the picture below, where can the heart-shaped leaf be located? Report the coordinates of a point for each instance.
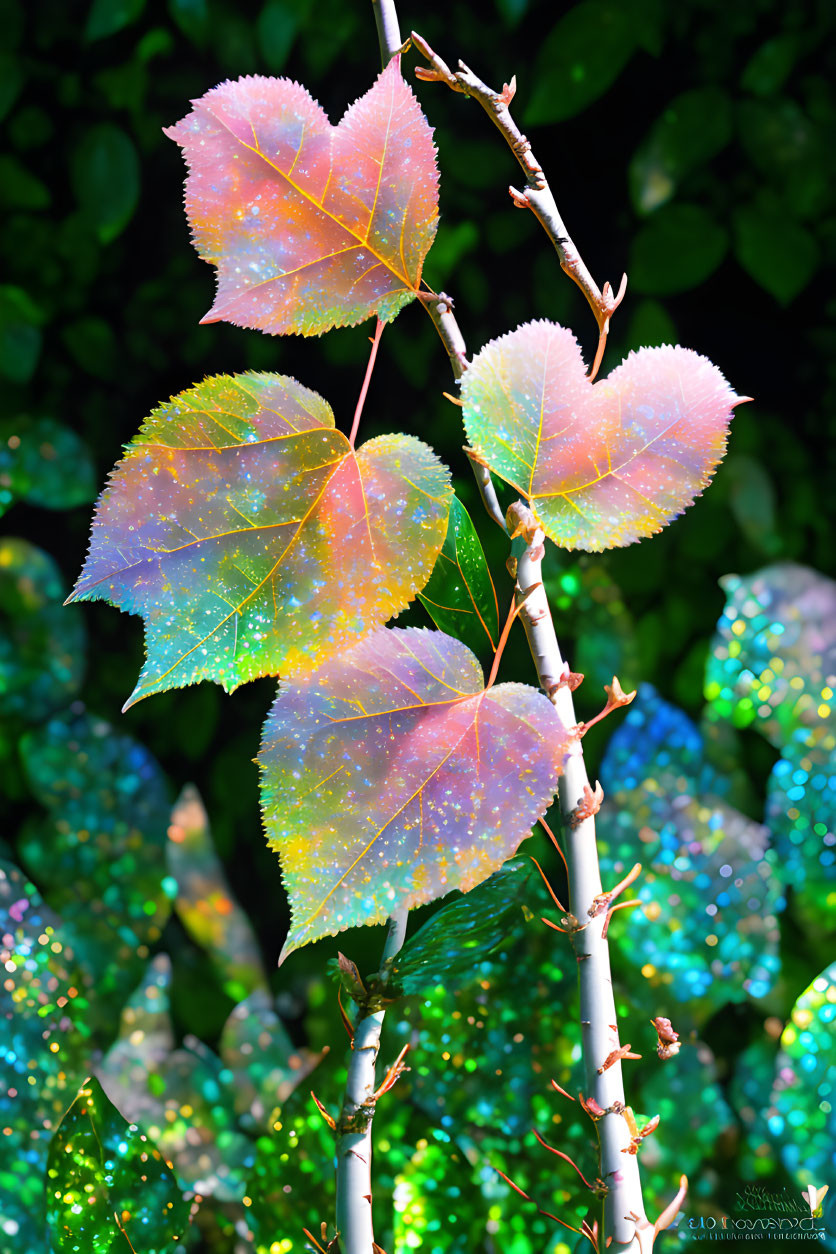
(460, 597)
(603, 464)
(392, 776)
(801, 1113)
(251, 537)
(107, 1186)
(311, 226)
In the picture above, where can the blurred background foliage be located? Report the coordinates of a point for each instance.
(690, 145)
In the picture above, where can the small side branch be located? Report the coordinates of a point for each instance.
(537, 195)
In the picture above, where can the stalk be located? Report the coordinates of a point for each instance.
(619, 1170)
(354, 1126)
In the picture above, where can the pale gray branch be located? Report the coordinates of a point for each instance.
(537, 195)
(619, 1169)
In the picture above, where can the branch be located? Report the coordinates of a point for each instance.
(388, 30)
(605, 1087)
(537, 195)
(354, 1126)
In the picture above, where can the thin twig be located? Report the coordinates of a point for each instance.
(361, 399)
(537, 195)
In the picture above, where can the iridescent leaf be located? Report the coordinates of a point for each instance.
(464, 931)
(392, 776)
(206, 908)
(460, 597)
(603, 464)
(709, 887)
(773, 660)
(311, 226)
(41, 649)
(801, 814)
(107, 1186)
(773, 667)
(101, 854)
(182, 1098)
(185, 1103)
(265, 1065)
(44, 1046)
(253, 539)
(802, 1113)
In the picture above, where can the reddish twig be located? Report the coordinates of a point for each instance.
(361, 400)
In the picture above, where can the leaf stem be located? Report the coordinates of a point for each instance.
(361, 399)
(354, 1126)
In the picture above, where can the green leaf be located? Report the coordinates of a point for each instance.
(779, 254)
(677, 249)
(464, 931)
(93, 345)
(106, 17)
(460, 597)
(766, 71)
(20, 336)
(650, 326)
(19, 189)
(581, 56)
(192, 16)
(693, 128)
(41, 649)
(100, 854)
(11, 81)
(45, 463)
(790, 150)
(752, 501)
(276, 28)
(105, 176)
(107, 1185)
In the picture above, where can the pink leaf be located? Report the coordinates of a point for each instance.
(602, 464)
(253, 539)
(392, 776)
(311, 226)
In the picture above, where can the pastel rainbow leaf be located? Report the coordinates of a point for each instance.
(392, 776)
(311, 226)
(603, 464)
(253, 540)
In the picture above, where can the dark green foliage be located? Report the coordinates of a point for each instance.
(464, 930)
(105, 1181)
(460, 596)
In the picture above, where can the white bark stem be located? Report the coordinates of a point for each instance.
(619, 1170)
(354, 1127)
